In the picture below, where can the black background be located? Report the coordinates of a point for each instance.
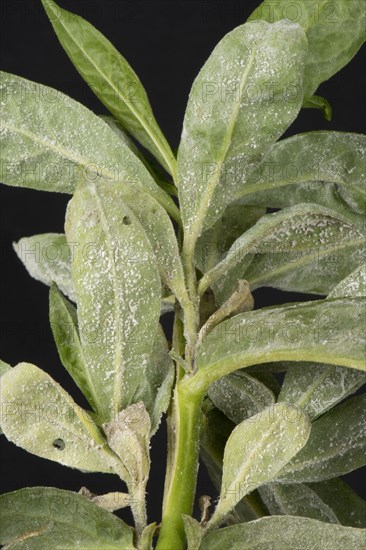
(166, 42)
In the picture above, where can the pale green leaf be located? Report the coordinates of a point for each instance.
(64, 325)
(109, 501)
(156, 386)
(4, 367)
(326, 168)
(147, 537)
(318, 102)
(285, 533)
(296, 499)
(353, 285)
(306, 248)
(47, 258)
(193, 532)
(118, 292)
(316, 387)
(240, 396)
(41, 518)
(335, 32)
(329, 331)
(111, 79)
(236, 110)
(275, 435)
(337, 445)
(349, 508)
(49, 142)
(39, 416)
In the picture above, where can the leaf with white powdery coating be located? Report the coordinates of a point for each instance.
(335, 32)
(40, 518)
(353, 285)
(47, 258)
(39, 416)
(232, 118)
(275, 435)
(118, 292)
(286, 533)
(337, 445)
(111, 79)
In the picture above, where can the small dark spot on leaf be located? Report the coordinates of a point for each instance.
(59, 444)
(126, 220)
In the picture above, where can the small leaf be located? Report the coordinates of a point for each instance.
(40, 518)
(317, 102)
(64, 325)
(316, 388)
(235, 112)
(335, 32)
(193, 532)
(111, 79)
(304, 248)
(240, 396)
(285, 533)
(349, 508)
(109, 501)
(118, 292)
(47, 258)
(353, 285)
(336, 446)
(325, 168)
(39, 416)
(275, 435)
(61, 149)
(156, 385)
(147, 537)
(296, 499)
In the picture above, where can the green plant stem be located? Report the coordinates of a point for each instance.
(180, 497)
(191, 316)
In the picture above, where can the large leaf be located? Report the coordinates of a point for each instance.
(64, 325)
(49, 141)
(353, 285)
(39, 416)
(337, 445)
(349, 508)
(285, 533)
(240, 396)
(47, 258)
(335, 32)
(118, 292)
(4, 367)
(40, 518)
(306, 248)
(155, 388)
(112, 80)
(236, 111)
(330, 331)
(326, 168)
(275, 435)
(318, 387)
(296, 499)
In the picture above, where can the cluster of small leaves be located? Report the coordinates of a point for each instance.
(275, 453)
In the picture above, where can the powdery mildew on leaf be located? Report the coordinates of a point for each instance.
(353, 285)
(118, 292)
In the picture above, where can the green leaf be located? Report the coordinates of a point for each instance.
(40, 518)
(39, 416)
(240, 396)
(47, 258)
(349, 508)
(118, 292)
(155, 389)
(235, 112)
(335, 32)
(326, 168)
(330, 331)
(4, 367)
(147, 537)
(109, 501)
(275, 435)
(64, 325)
(286, 533)
(193, 532)
(353, 285)
(317, 102)
(296, 499)
(111, 79)
(216, 241)
(304, 248)
(336, 446)
(316, 388)
(49, 142)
